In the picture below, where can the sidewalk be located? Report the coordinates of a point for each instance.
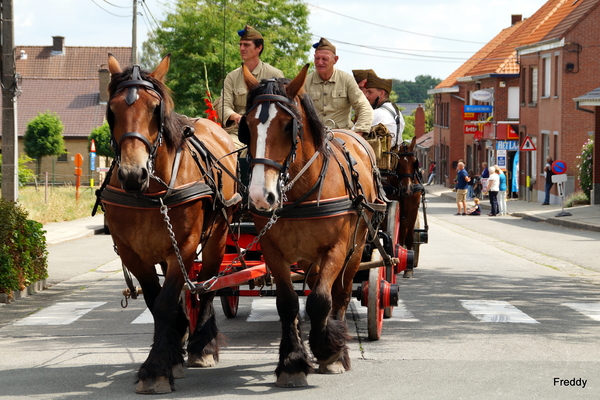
(58, 232)
(583, 217)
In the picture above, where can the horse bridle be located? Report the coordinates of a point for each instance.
(283, 103)
(415, 175)
(132, 86)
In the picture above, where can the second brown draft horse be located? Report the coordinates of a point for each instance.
(313, 194)
(169, 191)
(405, 185)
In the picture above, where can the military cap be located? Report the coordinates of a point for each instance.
(324, 44)
(362, 74)
(249, 33)
(375, 82)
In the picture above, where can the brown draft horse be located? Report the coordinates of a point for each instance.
(313, 191)
(163, 167)
(405, 185)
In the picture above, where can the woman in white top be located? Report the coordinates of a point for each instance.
(493, 188)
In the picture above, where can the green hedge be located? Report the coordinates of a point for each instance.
(23, 253)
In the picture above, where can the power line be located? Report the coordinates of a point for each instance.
(144, 5)
(392, 28)
(115, 5)
(121, 16)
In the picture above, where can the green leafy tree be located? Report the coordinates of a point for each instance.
(25, 174)
(429, 113)
(409, 127)
(414, 92)
(202, 33)
(101, 137)
(43, 137)
(585, 167)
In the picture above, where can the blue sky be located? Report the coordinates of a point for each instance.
(426, 37)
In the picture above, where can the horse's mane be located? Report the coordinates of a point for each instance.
(312, 120)
(172, 121)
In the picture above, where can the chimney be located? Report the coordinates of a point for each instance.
(104, 80)
(515, 18)
(419, 122)
(58, 45)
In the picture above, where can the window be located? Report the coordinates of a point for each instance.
(545, 149)
(533, 82)
(556, 70)
(513, 102)
(523, 85)
(62, 157)
(547, 65)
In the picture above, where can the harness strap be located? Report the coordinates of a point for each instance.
(176, 197)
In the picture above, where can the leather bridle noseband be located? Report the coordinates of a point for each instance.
(132, 87)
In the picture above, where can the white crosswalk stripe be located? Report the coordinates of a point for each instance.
(265, 309)
(591, 310)
(400, 313)
(60, 313)
(497, 311)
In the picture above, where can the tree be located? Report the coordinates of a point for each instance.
(414, 92)
(101, 137)
(25, 174)
(43, 137)
(201, 33)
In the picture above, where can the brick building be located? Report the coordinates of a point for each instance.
(73, 83)
(533, 70)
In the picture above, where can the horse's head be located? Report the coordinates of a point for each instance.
(407, 168)
(136, 114)
(273, 129)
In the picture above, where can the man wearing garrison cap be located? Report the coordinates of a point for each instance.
(360, 75)
(334, 92)
(377, 91)
(232, 104)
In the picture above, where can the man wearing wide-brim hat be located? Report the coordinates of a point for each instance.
(335, 93)
(385, 112)
(232, 104)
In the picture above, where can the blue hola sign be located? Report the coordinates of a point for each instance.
(478, 109)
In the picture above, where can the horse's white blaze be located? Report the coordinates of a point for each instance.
(261, 184)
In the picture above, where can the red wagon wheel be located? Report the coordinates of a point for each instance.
(393, 231)
(374, 306)
(230, 304)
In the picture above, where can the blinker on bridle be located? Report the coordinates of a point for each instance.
(266, 99)
(131, 97)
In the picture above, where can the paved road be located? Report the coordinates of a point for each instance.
(489, 314)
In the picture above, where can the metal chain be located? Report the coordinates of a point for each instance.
(164, 209)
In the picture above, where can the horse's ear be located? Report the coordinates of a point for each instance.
(113, 65)
(295, 86)
(413, 143)
(161, 71)
(250, 80)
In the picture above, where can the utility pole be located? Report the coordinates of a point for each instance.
(134, 56)
(10, 150)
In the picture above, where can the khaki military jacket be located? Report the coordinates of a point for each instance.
(235, 91)
(335, 98)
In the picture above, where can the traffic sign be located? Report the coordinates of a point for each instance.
(559, 178)
(527, 145)
(559, 167)
(92, 146)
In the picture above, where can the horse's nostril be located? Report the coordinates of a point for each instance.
(271, 198)
(144, 175)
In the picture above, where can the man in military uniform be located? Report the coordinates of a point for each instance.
(360, 75)
(232, 104)
(334, 92)
(384, 112)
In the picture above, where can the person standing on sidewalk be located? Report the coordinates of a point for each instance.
(462, 182)
(549, 183)
(431, 172)
(493, 189)
(501, 191)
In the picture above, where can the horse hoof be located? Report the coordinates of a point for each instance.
(286, 380)
(206, 361)
(160, 386)
(333, 368)
(408, 274)
(178, 371)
